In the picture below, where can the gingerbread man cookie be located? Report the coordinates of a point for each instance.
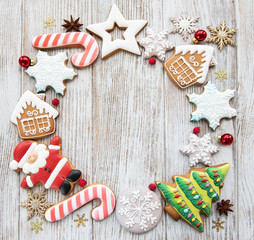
(45, 165)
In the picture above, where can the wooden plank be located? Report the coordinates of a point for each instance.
(10, 76)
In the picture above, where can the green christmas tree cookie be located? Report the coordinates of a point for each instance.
(192, 193)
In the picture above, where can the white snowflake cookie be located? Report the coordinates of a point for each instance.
(155, 44)
(199, 149)
(138, 210)
(51, 71)
(131, 27)
(212, 105)
(184, 25)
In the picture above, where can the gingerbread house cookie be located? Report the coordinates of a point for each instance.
(34, 117)
(189, 65)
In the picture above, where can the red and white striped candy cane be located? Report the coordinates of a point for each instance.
(72, 39)
(81, 198)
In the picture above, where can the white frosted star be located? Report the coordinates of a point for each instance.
(212, 105)
(51, 71)
(132, 28)
(155, 44)
(184, 25)
(199, 149)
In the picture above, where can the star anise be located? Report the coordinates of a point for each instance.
(224, 206)
(72, 25)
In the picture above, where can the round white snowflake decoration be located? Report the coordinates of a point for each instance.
(138, 210)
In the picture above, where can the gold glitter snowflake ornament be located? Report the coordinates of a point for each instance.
(184, 25)
(222, 35)
(221, 75)
(36, 226)
(49, 23)
(218, 224)
(36, 204)
(81, 220)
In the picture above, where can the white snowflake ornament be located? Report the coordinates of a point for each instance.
(51, 71)
(184, 25)
(212, 105)
(155, 44)
(138, 210)
(199, 149)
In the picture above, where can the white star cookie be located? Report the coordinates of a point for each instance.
(51, 71)
(199, 149)
(212, 105)
(131, 27)
(155, 44)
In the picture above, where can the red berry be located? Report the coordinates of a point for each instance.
(152, 186)
(55, 101)
(196, 130)
(152, 61)
(227, 139)
(24, 61)
(82, 182)
(200, 35)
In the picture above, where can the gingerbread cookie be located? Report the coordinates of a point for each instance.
(138, 210)
(51, 71)
(189, 65)
(199, 149)
(34, 117)
(45, 166)
(193, 193)
(212, 105)
(85, 40)
(131, 27)
(81, 198)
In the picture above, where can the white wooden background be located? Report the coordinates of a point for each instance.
(123, 121)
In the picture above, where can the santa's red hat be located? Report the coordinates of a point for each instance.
(21, 153)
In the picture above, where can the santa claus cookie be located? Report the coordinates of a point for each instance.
(45, 165)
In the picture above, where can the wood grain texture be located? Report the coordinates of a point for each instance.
(123, 121)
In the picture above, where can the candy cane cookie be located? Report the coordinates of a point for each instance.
(81, 198)
(73, 39)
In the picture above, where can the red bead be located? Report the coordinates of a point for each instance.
(152, 186)
(82, 182)
(55, 101)
(24, 61)
(204, 180)
(152, 61)
(196, 130)
(216, 175)
(200, 35)
(199, 202)
(227, 139)
(198, 224)
(177, 196)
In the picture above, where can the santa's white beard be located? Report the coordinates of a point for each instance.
(39, 163)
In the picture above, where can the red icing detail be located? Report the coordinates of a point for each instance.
(104, 200)
(21, 150)
(36, 43)
(69, 205)
(45, 43)
(216, 175)
(204, 180)
(199, 202)
(112, 200)
(24, 183)
(61, 210)
(78, 200)
(87, 199)
(177, 196)
(82, 182)
(196, 130)
(198, 225)
(55, 101)
(200, 35)
(152, 61)
(227, 139)
(152, 186)
(90, 44)
(24, 61)
(55, 141)
(95, 192)
(53, 215)
(55, 41)
(66, 37)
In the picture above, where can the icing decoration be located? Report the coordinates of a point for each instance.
(184, 25)
(193, 205)
(72, 39)
(51, 71)
(189, 64)
(45, 165)
(212, 105)
(131, 27)
(199, 149)
(138, 210)
(222, 35)
(33, 117)
(81, 198)
(155, 44)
